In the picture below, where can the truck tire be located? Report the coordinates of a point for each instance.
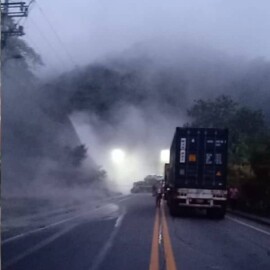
(173, 209)
(221, 213)
(216, 213)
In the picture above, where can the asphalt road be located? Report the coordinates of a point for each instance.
(129, 233)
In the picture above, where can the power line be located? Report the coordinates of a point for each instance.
(21, 10)
(47, 41)
(56, 34)
(36, 46)
(30, 7)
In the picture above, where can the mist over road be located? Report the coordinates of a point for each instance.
(120, 235)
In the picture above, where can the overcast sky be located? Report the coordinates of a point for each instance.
(88, 30)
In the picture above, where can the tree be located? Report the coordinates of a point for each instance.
(16, 48)
(249, 143)
(260, 160)
(246, 126)
(216, 113)
(79, 153)
(74, 156)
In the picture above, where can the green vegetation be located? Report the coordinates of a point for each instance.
(75, 156)
(249, 147)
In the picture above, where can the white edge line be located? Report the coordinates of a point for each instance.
(119, 220)
(55, 236)
(46, 227)
(18, 236)
(36, 247)
(105, 249)
(249, 226)
(124, 199)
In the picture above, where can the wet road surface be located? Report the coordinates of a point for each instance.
(129, 233)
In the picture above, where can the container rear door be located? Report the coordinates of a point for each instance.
(214, 159)
(202, 158)
(189, 162)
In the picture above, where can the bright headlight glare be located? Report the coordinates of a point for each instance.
(118, 155)
(165, 156)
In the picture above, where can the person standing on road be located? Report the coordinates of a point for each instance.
(233, 196)
(158, 196)
(157, 192)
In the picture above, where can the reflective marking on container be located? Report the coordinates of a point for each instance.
(208, 158)
(192, 158)
(220, 143)
(183, 144)
(182, 156)
(219, 159)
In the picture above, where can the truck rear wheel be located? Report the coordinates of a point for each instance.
(173, 209)
(216, 213)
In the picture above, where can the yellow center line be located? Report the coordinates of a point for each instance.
(170, 261)
(154, 261)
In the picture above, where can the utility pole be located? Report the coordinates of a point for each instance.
(6, 6)
(11, 10)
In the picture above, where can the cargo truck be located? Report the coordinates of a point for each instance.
(197, 172)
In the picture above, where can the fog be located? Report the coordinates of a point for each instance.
(134, 100)
(41, 152)
(121, 74)
(137, 135)
(92, 30)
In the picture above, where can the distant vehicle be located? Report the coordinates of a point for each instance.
(140, 187)
(153, 179)
(147, 184)
(196, 175)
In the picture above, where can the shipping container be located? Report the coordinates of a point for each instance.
(198, 168)
(198, 158)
